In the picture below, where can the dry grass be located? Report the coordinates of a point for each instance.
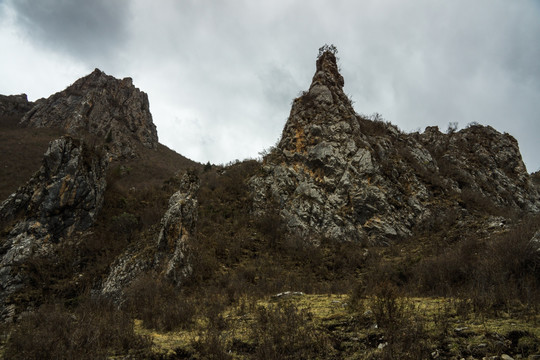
(22, 151)
(92, 331)
(328, 327)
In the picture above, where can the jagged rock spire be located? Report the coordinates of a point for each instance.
(316, 112)
(327, 71)
(339, 175)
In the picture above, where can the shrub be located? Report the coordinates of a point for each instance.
(95, 330)
(388, 307)
(212, 345)
(497, 273)
(285, 332)
(405, 332)
(125, 224)
(452, 127)
(372, 124)
(158, 304)
(327, 48)
(448, 272)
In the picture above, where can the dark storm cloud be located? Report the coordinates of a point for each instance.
(84, 29)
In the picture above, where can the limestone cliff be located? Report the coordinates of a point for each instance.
(112, 110)
(337, 174)
(177, 227)
(63, 197)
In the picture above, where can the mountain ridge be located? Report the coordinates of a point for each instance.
(113, 110)
(342, 204)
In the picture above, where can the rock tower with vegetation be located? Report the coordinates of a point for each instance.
(341, 175)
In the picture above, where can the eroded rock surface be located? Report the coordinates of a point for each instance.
(177, 227)
(63, 197)
(340, 175)
(170, 256)
(112, 110)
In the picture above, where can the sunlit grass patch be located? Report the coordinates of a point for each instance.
(261, 327)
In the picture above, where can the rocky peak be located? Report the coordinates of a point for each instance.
(14, 105)
(98, 78)
(323, 113)
(103, 107)
(340, 175)
(327, 73)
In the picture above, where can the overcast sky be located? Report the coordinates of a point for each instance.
(220, 75)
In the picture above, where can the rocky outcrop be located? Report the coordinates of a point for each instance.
(63, 197)
(480, 160)
(535, 178)
(177, 227)
(343, 176)
(170, 255)
(99, 105)
(127, 267)
(14, 105)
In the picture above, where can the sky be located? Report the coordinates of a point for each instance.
(221, 75)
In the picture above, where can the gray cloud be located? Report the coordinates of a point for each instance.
(221, 76)
(83, 29)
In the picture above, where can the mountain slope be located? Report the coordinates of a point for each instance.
(339, 175)
(130, 187)
(350, 240)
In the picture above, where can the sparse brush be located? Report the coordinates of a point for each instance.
(286, 332)
(92, 331)
(158, 304)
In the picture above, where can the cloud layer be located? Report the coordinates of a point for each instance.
(221, 76)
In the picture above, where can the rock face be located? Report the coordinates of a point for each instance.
(340, 175)
(14, 105)
(177, 227)
(112, 110)
(170, 256)
(482, 161)
(64, 196)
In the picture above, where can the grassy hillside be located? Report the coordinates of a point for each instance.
(22, 151)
